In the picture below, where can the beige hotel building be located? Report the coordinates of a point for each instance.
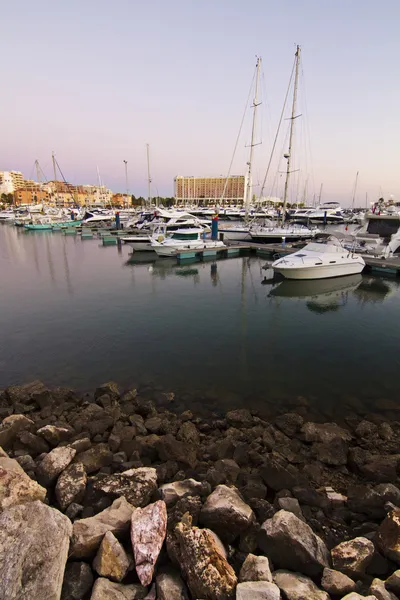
(209, 190)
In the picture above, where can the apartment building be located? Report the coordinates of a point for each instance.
(209, 190)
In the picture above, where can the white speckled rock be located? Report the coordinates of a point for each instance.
(148, 530)
(34, 541)
(54, 463)
(71, 485)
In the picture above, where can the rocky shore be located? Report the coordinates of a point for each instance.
(113, 496)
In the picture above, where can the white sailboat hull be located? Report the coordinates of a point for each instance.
(138, 243)
(236, 235)
(172, 249)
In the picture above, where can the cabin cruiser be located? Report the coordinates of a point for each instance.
(6, 215)
(184, 239)
(329, 212)
(380, 235)
(277, 233)
(165, 222)
(97, 216)
(320, 260)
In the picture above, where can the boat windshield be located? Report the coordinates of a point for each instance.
(323, 248)
(181, 235)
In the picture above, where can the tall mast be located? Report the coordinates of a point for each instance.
(126, 182)
(292, 118)
(355, 191)
(38, 177)
(320, 193)
(148, 175)
(249, 188)
(55, 175)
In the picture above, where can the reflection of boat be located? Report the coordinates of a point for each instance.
(320, 261)
(373, 289)
(316, 289)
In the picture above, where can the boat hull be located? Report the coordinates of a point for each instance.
(139, 244)
(173, 250)
(277, 238)
(232, 235)
(353, 267)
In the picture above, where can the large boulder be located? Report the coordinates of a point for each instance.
(356, 596)
(324, 432)
(78, 580)
(71, 485)
(388, 536)
(337, 583)
(206, 570)
(371, 500)
(24, 394)
(88, 533)
(353, 557)
(11, 426)
(291, 544)
(110, 388)
(170, 586)
(32, 443)
(15, 485)
(34, 541)
(278, 474)
(298, 587)
(226, 513)
(136, 485)
(111, 560)
(172, 492)
(257, 590)
(104, 589)
(54, 463)
(255, 568)
(148, 530)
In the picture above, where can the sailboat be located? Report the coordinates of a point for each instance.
(242, 232)
(283, 232)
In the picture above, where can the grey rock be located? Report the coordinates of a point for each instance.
(111, 560)
(148, 530)
(255, 568)
(291, 505)
(378, 589)
(188, 433)
(226, 513)
(333, 452)
(392, 583)
(355, 596)
(240, 417)
(298, 587)
(81, 445)
(172, 492)
(104, 589)
(170, 586)
(278, 474)
(353, 557)
(71, 485)
(95, 458)
(337, 583)
(54, 463)
(78, 580)
(11, 426)
(289, 423)
(24, 393)
(291, 544)
(88, 533)
(257, 590)
(111, 388)
(229, 468)
(54, 435)
(324, 432)
(33, 443)
(136, 485)
(170, 448)
(16, 487)
(34, 541)
(388, 536)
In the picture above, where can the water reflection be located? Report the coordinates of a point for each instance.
(374, 289)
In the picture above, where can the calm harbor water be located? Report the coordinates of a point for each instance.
(76, 314)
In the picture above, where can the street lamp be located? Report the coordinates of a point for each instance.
(126, 182)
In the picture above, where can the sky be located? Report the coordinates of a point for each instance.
(95, 81)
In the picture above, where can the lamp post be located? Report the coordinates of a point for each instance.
(126, 182)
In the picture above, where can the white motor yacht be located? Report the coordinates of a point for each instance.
(277, 233)
(183, 239)
(6, 215)
(318, 261)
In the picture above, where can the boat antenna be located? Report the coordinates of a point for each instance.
(292, 119)
(355, 191)
(148, 175)
(249, 187)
